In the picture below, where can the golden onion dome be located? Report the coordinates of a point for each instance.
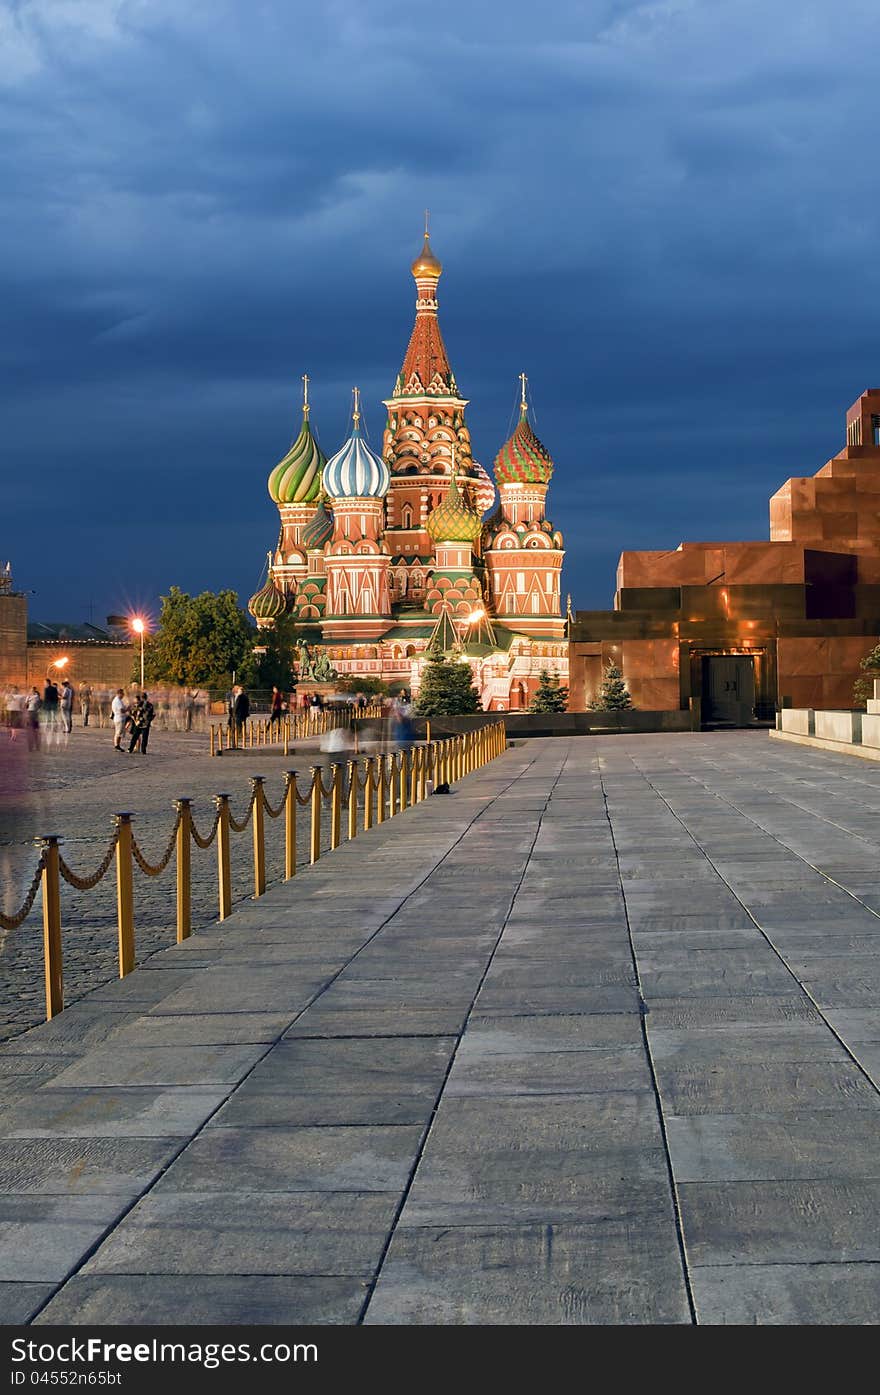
(426, 264)
(453, 520)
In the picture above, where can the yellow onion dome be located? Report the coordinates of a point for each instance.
(426, 264)
(268, 604)
(523, 459)
(319, 529)
(297, 478)
(453, 520)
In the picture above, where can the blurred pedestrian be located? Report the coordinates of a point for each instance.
(33, 703)
(278, 705)
(66, 705)
(85, 702)
(119, 713)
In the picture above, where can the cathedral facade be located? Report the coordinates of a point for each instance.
(383, 557)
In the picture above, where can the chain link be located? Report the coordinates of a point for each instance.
(12, 922)
(273, 813)
(86, 883)
(240, 827)
(146, 867)
(201, 842)
(306, 798)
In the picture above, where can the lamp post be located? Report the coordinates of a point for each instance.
(138, 626)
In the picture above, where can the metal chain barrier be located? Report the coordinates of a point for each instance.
(148, 868)
(274, 813)
(201, 842)
(12, 922)
(391, 784)
(240, 827)
(86, 883)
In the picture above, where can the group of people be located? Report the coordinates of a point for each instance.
(43, 713)
(132, 719)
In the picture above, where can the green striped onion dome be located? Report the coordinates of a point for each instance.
(319, 529)
(453, 520)
(522, 459)
(297, 478)
(268, 604)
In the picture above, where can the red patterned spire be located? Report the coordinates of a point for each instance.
(426, 368)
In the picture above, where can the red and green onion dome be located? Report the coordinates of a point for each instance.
(523, 459)
(319, 529)
(297, 478)
(268, 604)
(453, 520)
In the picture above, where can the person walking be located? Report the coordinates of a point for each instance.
(49, 710)
(277, 706)
(85, 702)
(241, 710)
(119, 713)
(66, 704)
(32, 706)
(146, 714)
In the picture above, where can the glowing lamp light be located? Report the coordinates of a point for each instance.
(59, 663)
(138, 625)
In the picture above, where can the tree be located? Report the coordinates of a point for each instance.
(274, 668)
(447, 688)
(613, 696)
(863, 688)
(200, 641)
(551, 696)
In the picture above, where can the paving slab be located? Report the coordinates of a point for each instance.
(248, 1232)
(619, 1271)
(787, 1294)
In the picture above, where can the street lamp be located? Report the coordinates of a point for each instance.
(59, 663)
(138, 626)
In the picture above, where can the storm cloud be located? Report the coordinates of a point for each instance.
(666, 213)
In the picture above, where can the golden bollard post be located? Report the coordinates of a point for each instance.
(125, 895)
(428, 731)
(423, 772)
(352, 799)
(259, 836)
(380, 788)
(213, 738)
(51, 880)
(392, 785)
(404, 779)
(414, 775)
(184, 869)
(336, 805)
(368, 794)
(224, 868)
(289, 824)
(315, 833)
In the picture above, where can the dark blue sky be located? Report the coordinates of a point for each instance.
(666, 213)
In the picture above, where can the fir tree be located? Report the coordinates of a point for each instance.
(613, 696)
(447, 688)
(551, 696)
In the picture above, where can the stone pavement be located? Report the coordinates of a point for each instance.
(74, 791)
(593, 1040)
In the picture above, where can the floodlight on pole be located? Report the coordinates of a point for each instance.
(138, 625)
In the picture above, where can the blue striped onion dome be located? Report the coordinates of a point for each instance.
(319, 529)
(355, 471)
(297, 478)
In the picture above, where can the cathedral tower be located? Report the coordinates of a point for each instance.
(356, 561)
(424, 433)
(523, 550)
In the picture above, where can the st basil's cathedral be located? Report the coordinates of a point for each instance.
(381, 558)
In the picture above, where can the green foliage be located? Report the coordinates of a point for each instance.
(551, 696)
(275, 667)
(362, 683)
(863, 688)
(447, 688)
(613, 696)
(200, 640)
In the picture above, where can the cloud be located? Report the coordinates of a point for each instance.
(663, 211)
